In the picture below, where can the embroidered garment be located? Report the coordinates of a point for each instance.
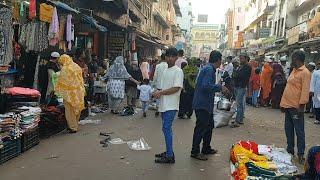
(69, 32)
(6, 33)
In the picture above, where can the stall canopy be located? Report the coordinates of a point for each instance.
(93, 22)
(64, 6)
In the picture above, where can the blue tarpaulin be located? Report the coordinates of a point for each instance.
(64, 6)
(90, 20)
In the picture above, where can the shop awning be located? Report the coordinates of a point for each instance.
(147, 40)
(93, 22)
(64, 6)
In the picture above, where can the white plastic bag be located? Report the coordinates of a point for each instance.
(139, 145)
(117, 141)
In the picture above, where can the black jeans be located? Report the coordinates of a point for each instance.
(294, 122)
(202, 131)
(317, 112)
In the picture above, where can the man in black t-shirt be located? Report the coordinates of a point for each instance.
(241, 78)
(131, 88)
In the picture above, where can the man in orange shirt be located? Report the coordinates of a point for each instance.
(295, 96)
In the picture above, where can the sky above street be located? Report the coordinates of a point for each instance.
(216, 9)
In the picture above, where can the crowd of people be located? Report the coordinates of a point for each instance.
(180, 87)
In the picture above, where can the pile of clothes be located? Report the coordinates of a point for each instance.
(9, 127)
(30, 117)
(250, 160)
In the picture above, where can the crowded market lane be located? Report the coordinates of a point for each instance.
(81, 157)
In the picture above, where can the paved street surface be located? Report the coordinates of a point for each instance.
(81, 157)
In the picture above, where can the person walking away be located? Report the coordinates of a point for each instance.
(181, 58)
(294, 99)
(256, 86)
(186, 98)
(315, 92)
(93, 75)
(70, 86)
(116, 77)
(163, 65)
(145, 69)
(309, 107)
(266, 82)
(52, 68)
(241, 81)
(278, 84)
(183, 98)
(254, 65)
(203, 104)
(145, 95)
(171, 86)
(131, 87)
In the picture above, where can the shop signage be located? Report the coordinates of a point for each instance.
(116, 43)
(293, 34)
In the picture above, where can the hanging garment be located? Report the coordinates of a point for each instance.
(62, 27)
(46, 12)
(36, 73)
(32, 9)
(34, 37)
(6, 34)
(54, 29)
(16, 11)
(69, 32)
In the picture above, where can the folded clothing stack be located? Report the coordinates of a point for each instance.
(9, 127)
(30, 117)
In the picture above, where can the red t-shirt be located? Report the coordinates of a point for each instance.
(256, 82)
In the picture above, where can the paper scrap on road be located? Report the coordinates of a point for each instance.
(117, 141)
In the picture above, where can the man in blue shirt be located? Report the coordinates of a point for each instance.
(203, 104)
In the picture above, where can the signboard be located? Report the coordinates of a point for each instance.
(264, 32)
(294, 33)
(314, 26)
(116, 44)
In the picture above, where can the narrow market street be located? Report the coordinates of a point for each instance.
(81, 157)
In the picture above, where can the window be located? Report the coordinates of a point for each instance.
(238, 28)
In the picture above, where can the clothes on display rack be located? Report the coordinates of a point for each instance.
(6, 33)
(54, 29)
(34, 36)
(32, 9)
(69, 32)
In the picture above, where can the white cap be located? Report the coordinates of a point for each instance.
(55, 55)
(312, 64)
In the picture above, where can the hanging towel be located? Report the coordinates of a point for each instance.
(54, 29)
(32, 9)
(70, 32)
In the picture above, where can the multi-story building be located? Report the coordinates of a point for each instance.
(205, 38)
(184, 23)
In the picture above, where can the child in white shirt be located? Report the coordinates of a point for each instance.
(145, 95)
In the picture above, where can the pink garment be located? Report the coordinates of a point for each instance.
(180, 61)
(69, 31)
(145, 70)
(32, 9)
(54, 29)
(19, 91)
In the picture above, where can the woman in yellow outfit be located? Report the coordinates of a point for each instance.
(70, 87)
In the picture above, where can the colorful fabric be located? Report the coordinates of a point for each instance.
(118, 70)
(69, 31)
(266, 80)
(70, 85)
(116, 88)
(19, 91)
(54, 29)
(16, 11)
(32, 9)
(6, 33)
(46, 12)
(313, 163)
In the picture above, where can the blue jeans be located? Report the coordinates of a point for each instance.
(241, 103)
(255, 95)
(167, 120)
(145, 106)
(294, 122)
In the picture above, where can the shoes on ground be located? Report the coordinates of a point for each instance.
(209, 152)
(165, 160)
(200, 157)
